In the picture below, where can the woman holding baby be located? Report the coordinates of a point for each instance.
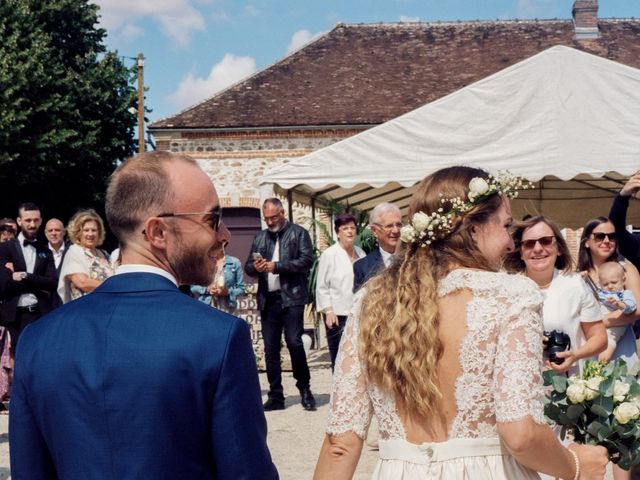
(598, 248)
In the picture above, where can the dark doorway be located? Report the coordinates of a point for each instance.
(244, 224)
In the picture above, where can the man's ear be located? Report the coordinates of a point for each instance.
(155, 232)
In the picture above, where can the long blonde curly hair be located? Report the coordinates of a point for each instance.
(399, 342)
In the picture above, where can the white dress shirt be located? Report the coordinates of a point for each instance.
(57, 256)
(139, 267)
(386, 257)
(334, 285)
(29, 253)
(273, 279)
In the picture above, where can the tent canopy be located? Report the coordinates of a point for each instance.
(564, 118)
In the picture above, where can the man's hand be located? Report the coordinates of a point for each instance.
(632, 186)
(9, 265)
(260, 265)
(19, 276)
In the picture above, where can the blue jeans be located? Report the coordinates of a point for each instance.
(274, 320)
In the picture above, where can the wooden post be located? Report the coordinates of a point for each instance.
(141, 144)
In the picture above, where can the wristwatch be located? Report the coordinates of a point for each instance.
(23, 275)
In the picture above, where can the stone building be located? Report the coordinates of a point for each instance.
(356, 77)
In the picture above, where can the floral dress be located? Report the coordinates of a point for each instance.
(500, 360)
(82, 260)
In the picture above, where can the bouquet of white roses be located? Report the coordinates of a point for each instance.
(602, 407)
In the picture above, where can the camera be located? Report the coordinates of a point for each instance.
(556, 342)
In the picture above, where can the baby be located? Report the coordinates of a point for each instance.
(614, 297)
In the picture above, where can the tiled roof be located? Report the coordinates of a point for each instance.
(368, 74)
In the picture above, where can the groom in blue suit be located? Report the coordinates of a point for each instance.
(137, 380)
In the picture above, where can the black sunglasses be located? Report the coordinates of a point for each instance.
(544, 242)
(600, 236)
(212, 218)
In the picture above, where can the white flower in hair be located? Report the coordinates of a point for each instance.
(421, 221)
(477, 187)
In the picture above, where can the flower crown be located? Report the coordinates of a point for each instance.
(424, 228)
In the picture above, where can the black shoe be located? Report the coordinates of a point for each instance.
(307, 400)
(272, 404)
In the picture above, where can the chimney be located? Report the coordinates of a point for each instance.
(585, 19)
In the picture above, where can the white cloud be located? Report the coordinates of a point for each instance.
(221, 16)
(251, 10)
(177, 18)
(300, 38)
(404, 18)
(130, 31)
(228, 71)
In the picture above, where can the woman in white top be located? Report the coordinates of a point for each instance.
(334, 284)
(569, 304)
(85, 266)
(446, 351)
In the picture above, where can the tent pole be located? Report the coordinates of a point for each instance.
(290, 202)
(313, 222)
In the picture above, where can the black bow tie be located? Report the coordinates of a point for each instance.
(26, 242)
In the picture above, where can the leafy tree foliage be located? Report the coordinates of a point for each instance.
(64, 120)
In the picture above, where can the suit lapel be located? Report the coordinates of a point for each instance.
(19, 264)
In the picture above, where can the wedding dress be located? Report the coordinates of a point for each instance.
(500, 360)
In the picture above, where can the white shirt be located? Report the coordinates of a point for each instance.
(334, 285)
(386, 256)
(138, 267)
(273, 279)
(29, 253)
(57, 256)
(568, 302)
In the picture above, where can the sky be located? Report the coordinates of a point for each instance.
(196, 48)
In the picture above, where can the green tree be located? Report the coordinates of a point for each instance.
(64, 119)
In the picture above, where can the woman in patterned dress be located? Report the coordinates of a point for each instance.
(446, 352)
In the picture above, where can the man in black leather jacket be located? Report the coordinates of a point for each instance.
(281, 257)
(628, 243)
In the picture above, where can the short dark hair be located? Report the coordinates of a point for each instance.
(343, 219)
(275, 202)
(28, 207)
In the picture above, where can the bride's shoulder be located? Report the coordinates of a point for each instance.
(498, 283)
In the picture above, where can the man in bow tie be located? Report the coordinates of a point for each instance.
(27, 275)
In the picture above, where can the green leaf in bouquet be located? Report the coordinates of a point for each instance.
(606, 387)
(605, 402)
(594, 428)
(599, 410)
(547, 377)
(574, 412)
(559, 383)
(563, 419)
(553, 412)
(627, 431)
(605, 432)
(634, 390)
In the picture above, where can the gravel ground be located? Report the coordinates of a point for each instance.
(295, 435)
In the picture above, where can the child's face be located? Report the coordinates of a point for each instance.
(612, 281)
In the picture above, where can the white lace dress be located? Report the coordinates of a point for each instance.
(501, 363)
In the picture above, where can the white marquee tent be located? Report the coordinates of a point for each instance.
(563, 118)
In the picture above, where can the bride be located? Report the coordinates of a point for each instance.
(447, 352)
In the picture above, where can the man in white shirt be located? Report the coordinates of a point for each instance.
(55, 233)
(385, 221)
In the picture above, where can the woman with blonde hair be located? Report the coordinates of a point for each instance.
(446, 351)
(85, 266)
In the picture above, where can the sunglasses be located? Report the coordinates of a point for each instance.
(545, 242)
(600, 236)
(212, 219)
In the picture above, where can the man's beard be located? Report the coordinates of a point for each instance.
(189, 265)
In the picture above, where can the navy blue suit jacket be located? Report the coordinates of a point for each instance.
(367, 267)
(136, 381)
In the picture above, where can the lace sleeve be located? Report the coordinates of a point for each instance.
(350, 408)
(518, 369)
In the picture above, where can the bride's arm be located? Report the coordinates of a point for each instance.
(518, 398)
(350, 408)
(339, 457)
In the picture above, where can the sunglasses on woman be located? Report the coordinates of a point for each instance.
(544, 242)
(600, 236)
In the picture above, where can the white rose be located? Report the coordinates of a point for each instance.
(420, 221)
(407, 234)
(625, 412)
(620, 390)
(593, 386)
(477, 186)
(635, 400)
(576, 392)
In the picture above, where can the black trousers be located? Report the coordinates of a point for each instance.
(23, 318)
(274, 320)
(334, 334)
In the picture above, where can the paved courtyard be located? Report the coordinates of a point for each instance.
(295, 435)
